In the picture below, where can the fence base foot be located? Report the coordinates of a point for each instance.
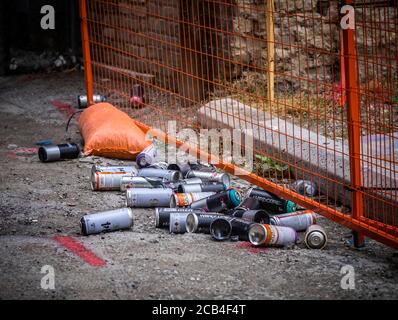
(358, 239)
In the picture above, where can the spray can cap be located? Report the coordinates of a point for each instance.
(290, 206)
(234, 197)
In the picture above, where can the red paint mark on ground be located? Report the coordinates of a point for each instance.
(252, 249)
(64, 108)
(80, 250)
(23, 152)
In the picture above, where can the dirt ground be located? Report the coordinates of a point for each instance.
(39, 201)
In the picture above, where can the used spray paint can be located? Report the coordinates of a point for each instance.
(127, 182)
(186, 199)
(147, 156)
(166, 175)
(201, 187)
(306, 188)
(106, 221)
(271, 202)
(219, 202)
(315, 237)
(58, 152)
(201, 221)
(131, 170)
(162, 215)
(259, 216)
(178, 222)
(137, 96)
(182, 167)
(175, 185)
(299, 220)
(268, 235)
(210, 176)
(146, 198)
(249, 204)
(159, 165)
(226, 227)
(109, 177)
(82, 100)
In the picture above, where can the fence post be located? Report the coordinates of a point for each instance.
(86, 52)
(353, 119)
(270, 50)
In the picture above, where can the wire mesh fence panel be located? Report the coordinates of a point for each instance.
(297, 96)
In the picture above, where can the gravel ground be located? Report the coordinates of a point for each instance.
(39, 201)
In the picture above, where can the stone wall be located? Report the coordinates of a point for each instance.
(307, 40)
(144, 37)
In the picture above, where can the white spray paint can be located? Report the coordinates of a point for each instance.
(146, 198)
(299, 220)
(269, 235)
(106, 221)
(147, 156)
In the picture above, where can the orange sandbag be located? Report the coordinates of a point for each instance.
(111, 133)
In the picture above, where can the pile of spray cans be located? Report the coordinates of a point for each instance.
(190, 198)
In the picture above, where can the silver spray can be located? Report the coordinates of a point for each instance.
(259, 216)
(147, 198)
(107, 181)
(315, 237)
(128, 182)
(268, 235)
(201, 221)
(162, 215)
(159, 165)
(177, 184)
(306, 188)
(201, 187)
(178, 222)
(299, 220)
(106, 221)
(131, 170)
(82, 100)
(210, 176)
(147, 156)
(109, 177)
(186, 199)
(166, 175)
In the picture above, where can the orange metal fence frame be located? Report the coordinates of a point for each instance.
(320, 99)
